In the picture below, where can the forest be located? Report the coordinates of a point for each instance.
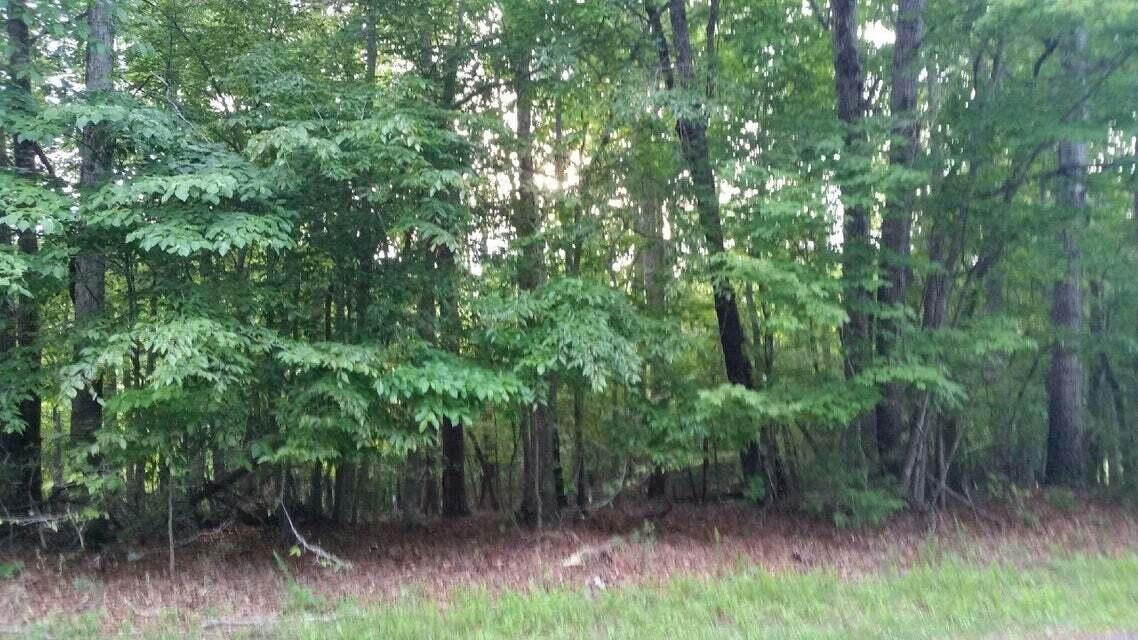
(331, 263)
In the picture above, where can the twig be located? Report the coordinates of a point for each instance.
(818, 14)
(966, 501)
(46, 518)
(170, 518)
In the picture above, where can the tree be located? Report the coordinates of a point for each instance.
(896, 227)
(691, 129)
(858, 263)
(1066, 437)
(88, 269)
(314, 249)
(21, 443)
(539, 495)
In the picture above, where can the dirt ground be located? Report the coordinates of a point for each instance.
(233, 573)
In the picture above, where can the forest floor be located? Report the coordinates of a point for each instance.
(725, 570)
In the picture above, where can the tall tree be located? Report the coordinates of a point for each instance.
(1066, 437)
(691, 128)
(896, 227)
(857, 250)
(452, 432)
(539, 490)
(24, 447)
(89, 267)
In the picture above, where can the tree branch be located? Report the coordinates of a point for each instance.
(313, 548)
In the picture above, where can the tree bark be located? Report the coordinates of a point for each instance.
(650, 259)
(411, 490)
(88, 269)
(691, 128)
(1066, 437)
(344, 490)
(13, 481)
(455, 502)
(539, 493)
(857, 250)
(896, 227)
(22, 448)
(935, 312)
(316, 491)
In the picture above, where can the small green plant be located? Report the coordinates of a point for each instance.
(1062, 499)
(10, 570)
(1018, 499)
(300, 599)
(851, 508)
(646, 534)
(84, 584)
(756, 490)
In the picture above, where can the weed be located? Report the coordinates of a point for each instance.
(9, 570)
(1062, 499)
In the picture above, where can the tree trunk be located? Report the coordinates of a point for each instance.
(857, 250)
(454, 499)
(1066, 438)
(22, 448)
(539, 493)
(935, 305)
(88, 277)
(1106, 404)
(411, 490)
(11, 442)
(345, 489)
(896, 227)
(1126, 423)
(316, 491)
(454, 470)
(455, 502)
(555, 447)
(346, 484)
(580, 478)
(691, 128)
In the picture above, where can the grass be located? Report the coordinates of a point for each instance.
(950, 598)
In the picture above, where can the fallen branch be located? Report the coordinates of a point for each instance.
(45, 518)
(214, 623)
(588, 553)
(315, 549)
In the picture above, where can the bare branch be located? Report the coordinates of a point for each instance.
(315, 549)
(819, 15)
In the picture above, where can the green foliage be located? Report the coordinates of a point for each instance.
(1062, 499)
(798, 299)
(852, 508)
(756, 490)
(318, 252)
(9, 570)
(569, 326)
(732, 409)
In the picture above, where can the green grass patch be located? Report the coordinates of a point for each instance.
(944, 598)
(948, 599)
